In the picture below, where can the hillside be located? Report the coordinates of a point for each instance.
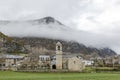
(16, 45)
(9, 45)
(68, 47)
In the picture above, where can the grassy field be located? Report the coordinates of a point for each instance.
(6, 75)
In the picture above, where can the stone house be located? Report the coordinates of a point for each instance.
(75, 64)
(11, 61)
(44, 61)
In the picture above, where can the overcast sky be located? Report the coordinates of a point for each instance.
(95, 16)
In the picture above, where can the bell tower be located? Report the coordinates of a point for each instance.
(58, 56)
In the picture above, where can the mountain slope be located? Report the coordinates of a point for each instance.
(9, 45)
(68, 47)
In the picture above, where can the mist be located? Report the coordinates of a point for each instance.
(56, 31)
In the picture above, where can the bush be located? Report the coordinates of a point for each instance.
(88, 70)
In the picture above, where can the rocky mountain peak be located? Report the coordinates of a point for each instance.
(47, 20)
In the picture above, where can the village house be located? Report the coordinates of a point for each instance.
(88, 62)
(13, 60)
(44, 61)
(112, 60)
(10, 61)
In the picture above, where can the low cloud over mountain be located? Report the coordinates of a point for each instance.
(49, 27)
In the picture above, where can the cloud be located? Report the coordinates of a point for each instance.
(55, 31)
(99, 16)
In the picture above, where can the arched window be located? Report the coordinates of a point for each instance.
(58, 47)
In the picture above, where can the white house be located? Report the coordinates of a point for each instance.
(88, 62)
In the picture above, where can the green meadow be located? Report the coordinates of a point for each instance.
(7, 75)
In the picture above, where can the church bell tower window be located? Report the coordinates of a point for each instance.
(58, 47)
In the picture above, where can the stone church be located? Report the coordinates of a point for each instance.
(71, 63)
